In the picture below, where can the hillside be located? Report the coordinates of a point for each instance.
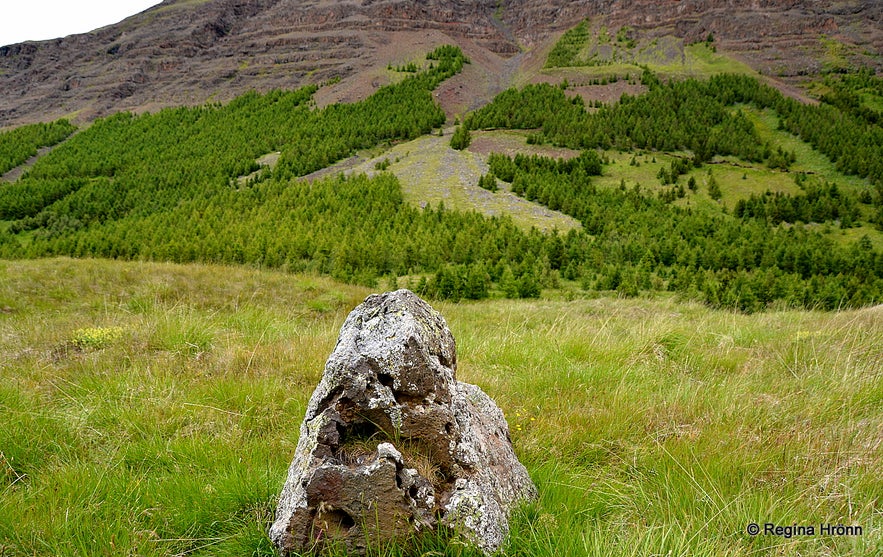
(189, 52)
(562, 209)
(152, 409)
(655, 229)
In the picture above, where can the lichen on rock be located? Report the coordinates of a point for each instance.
(393, 446)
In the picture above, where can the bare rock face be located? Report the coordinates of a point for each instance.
(186, 52)
(393, 445)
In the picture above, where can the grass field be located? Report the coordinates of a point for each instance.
(152, 409)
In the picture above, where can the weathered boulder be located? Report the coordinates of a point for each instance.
(392, 445)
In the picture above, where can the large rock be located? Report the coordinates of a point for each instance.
(393, 445)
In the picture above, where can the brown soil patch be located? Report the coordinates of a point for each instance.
(790, 90)
(512, 143)
(580, 84)
(484, 77)
(607, 94)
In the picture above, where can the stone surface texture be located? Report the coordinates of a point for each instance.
(392, 445)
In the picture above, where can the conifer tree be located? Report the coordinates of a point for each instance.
(461, 138)
(714, 190)
(527, 285)
(508, 284)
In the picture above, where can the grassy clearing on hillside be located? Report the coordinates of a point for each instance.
(739, 179)
(728, 173)
(809, 160)
(855, 234)
(736, 178)
(872, 101)
(650, 426)
(431, 172)
(599, 55)
(702, 61)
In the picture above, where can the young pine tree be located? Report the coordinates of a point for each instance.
(461, 138)
(528, 286)
(714, 190)
(488, 182)
(508, 284)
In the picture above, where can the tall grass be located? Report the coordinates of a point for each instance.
(651, 426)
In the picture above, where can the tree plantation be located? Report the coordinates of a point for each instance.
(167, 186)
(18, 145)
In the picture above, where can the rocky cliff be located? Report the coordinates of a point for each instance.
(192, 51)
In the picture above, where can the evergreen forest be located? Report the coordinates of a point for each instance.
(169, 186)
(20, 144)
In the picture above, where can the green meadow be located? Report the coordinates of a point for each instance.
(152, 409)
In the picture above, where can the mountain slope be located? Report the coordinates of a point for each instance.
(192, 51)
